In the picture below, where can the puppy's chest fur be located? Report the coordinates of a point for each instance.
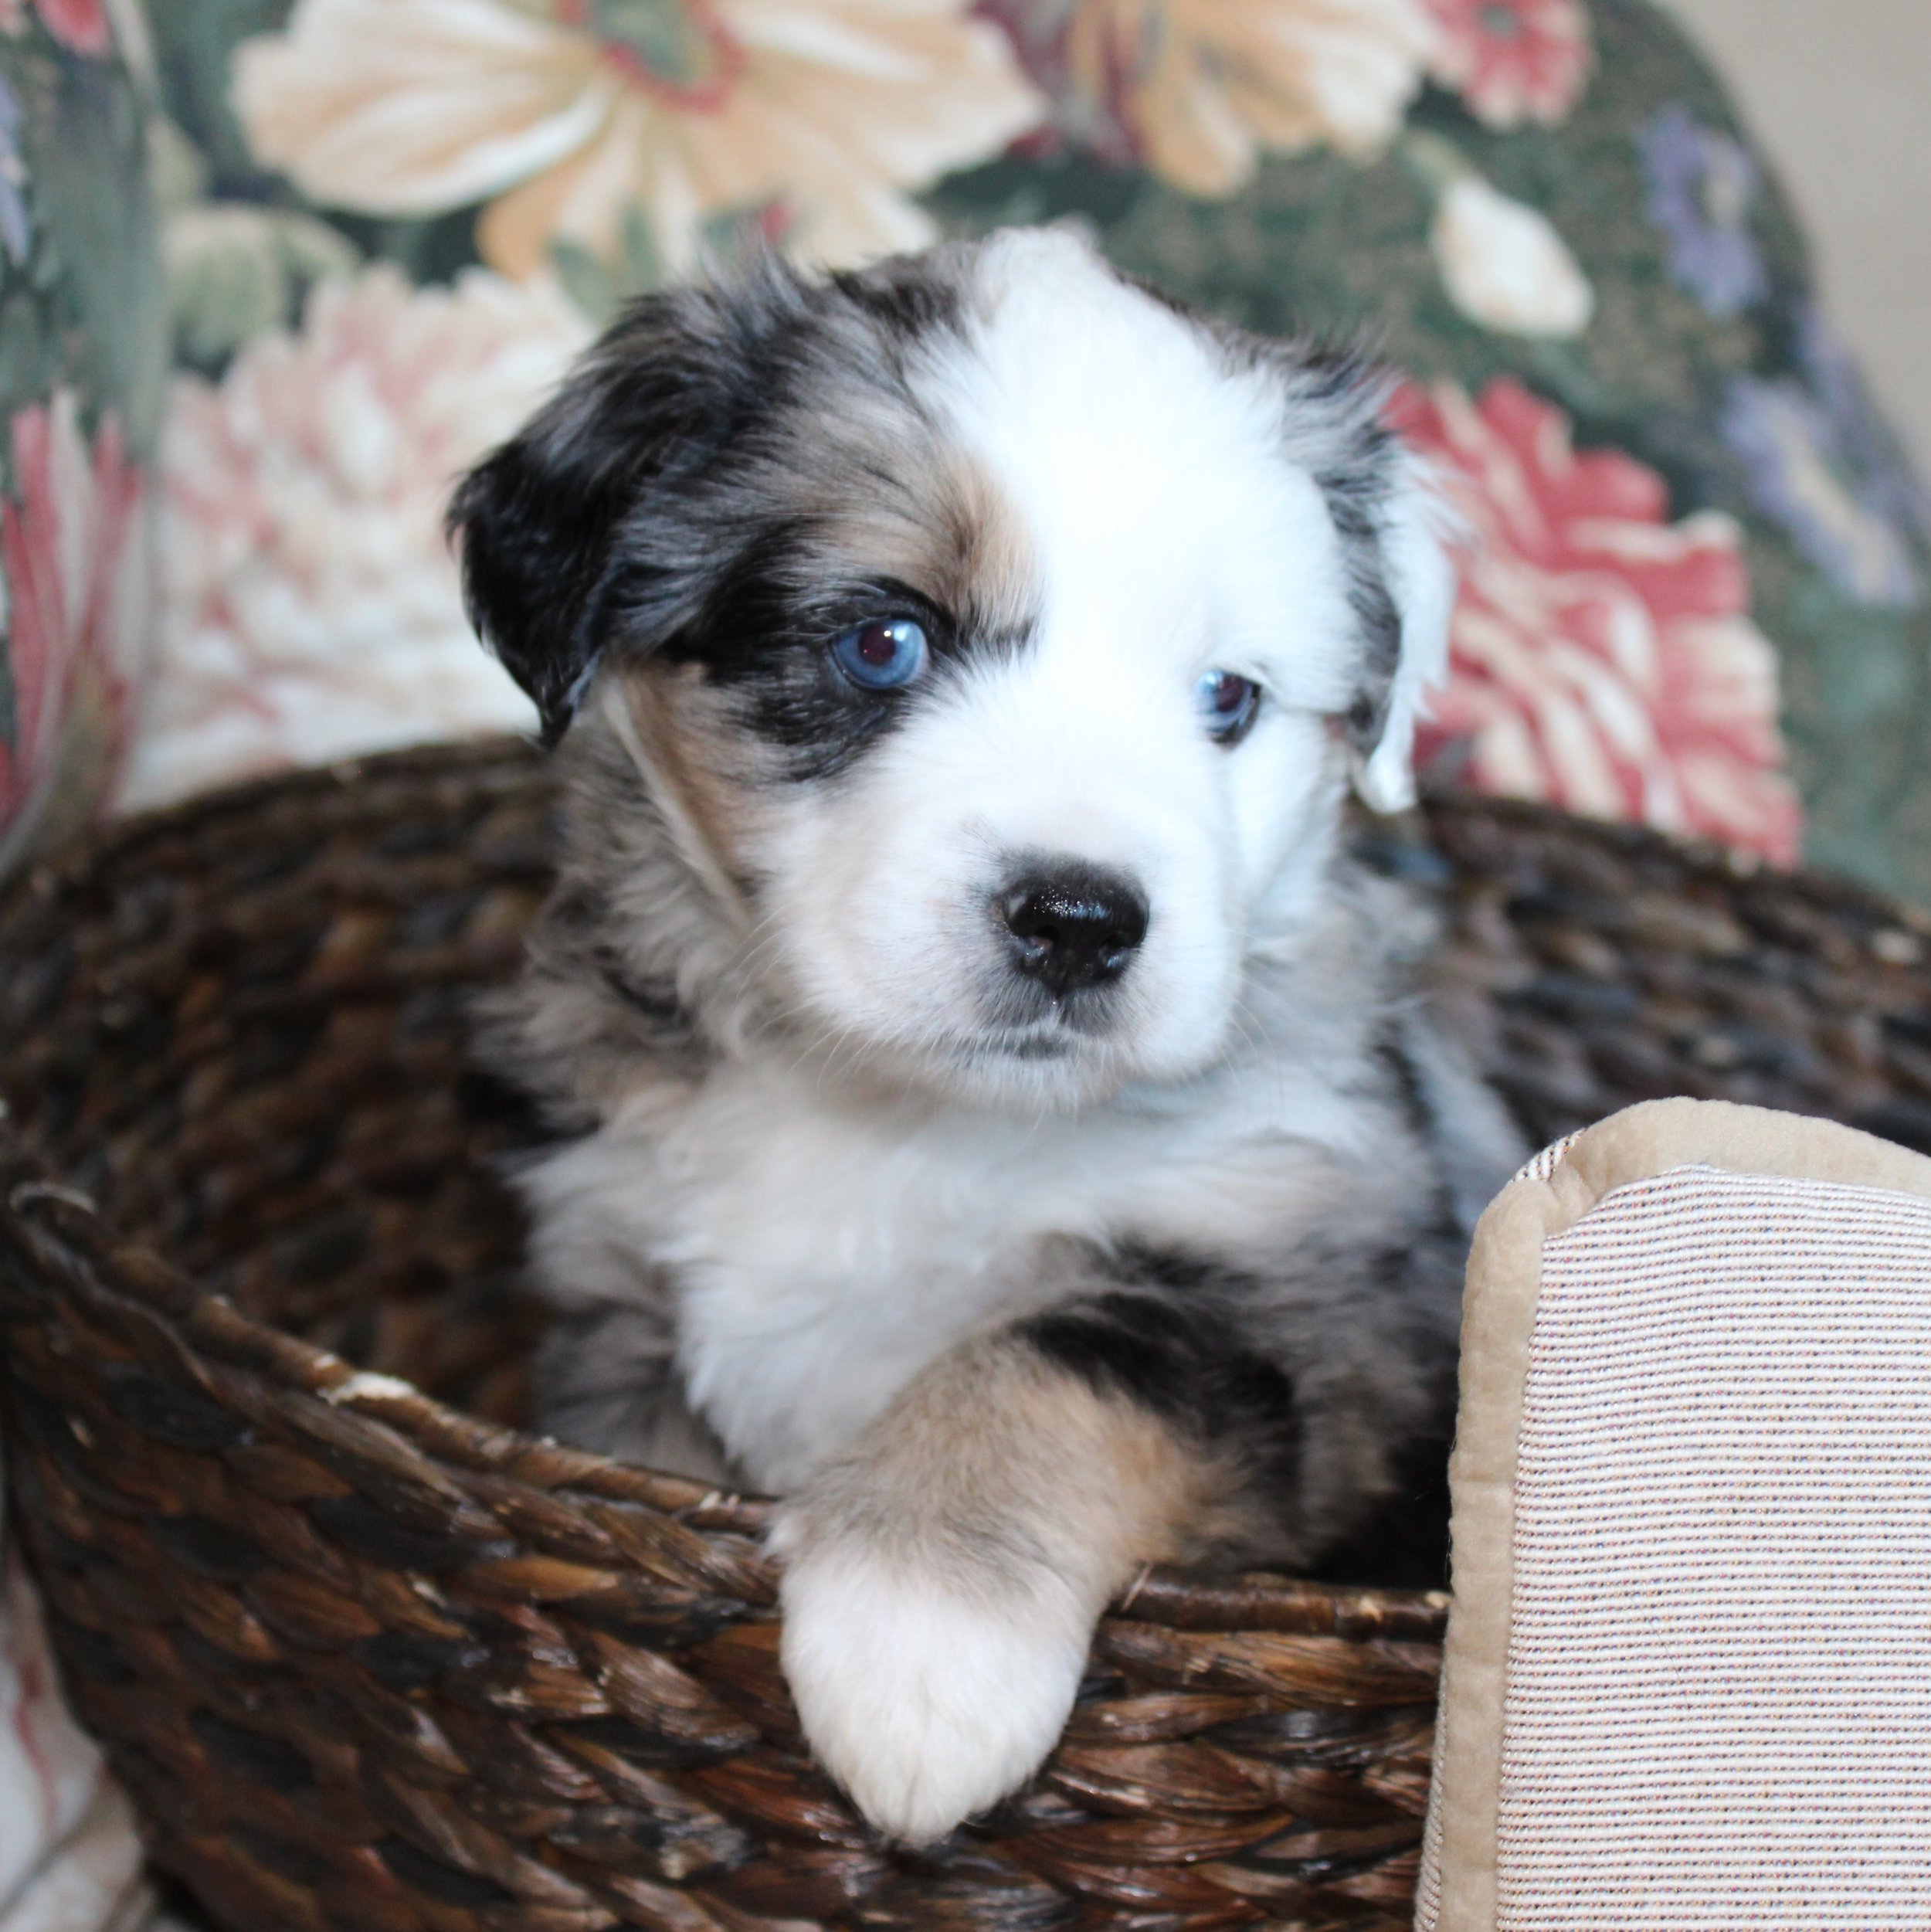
(812, 1251)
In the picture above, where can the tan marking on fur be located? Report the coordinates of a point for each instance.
(994, 1461)
(690, 743)
(947, 531)
(998, 574)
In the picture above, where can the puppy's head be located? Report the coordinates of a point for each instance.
(996, 641)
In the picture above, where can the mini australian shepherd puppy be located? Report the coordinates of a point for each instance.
(1000, 1117)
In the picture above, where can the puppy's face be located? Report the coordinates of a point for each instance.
(996, 640)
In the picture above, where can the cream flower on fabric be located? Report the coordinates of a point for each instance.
(310, 604)
(564, 114)
(1505, 267)
(1205, 86)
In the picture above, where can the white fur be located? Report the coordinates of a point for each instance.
(1417, 525)
(926, 1705)
(828, 1243)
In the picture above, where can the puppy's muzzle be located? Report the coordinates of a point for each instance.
(1071, 926)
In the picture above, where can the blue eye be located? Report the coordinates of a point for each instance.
(881, 653)
(1228, 703)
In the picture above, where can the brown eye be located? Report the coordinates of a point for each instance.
(1228, 703)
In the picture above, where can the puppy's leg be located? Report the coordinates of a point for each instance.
(944, 1574)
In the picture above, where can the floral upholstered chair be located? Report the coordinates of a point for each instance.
(1696, 566)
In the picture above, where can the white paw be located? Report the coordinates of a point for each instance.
(926, 1699)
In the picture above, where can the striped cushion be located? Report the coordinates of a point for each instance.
(1689, 1681)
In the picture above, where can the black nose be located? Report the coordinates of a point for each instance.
(1072, 925)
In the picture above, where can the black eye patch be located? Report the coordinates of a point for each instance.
(767, 635)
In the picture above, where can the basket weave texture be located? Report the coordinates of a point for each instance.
(369, 1659)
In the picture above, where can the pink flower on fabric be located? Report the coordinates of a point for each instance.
(1513, 61)
(74, 576)
(80, 25)
(1602, 658)
(311, 603)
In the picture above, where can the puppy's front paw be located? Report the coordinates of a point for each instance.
(928, 1693)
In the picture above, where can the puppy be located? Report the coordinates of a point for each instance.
(1002, 1123)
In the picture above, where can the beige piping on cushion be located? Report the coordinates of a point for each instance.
(1459, 1889)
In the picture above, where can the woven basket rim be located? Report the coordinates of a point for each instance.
(68, 1232)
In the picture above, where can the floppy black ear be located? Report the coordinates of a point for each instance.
(542, 522)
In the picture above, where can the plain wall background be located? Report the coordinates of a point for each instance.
(1839, 92)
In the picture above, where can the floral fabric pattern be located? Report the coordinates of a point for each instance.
(1700, 185)
(75, 565)
(1503, 266)
(1200, 89)
(817, 114)
(311, 606)
(1602, 656)
(1821, 464)
(81, 26)
(1513, 61)
(1542, 213)
(82, 321)
(16, 225)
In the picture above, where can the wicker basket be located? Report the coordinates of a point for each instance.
(373, 1663)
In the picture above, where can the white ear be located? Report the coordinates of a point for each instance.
(1422, 582)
